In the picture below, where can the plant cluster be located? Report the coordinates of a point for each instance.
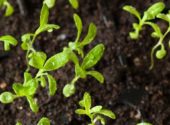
(148, 18)
(5, 4)
(39, 61)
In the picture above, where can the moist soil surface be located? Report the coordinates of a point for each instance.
(131, 90)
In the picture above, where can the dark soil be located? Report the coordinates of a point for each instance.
(131, 90)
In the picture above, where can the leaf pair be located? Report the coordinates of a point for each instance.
(94, 113)
(77, 45)
(8, 41)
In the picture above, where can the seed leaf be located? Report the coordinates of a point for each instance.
(96, 109)
(69, 90)
(154, 10)
(8, 39)
(42, 81)
(87, 101)
(57, 61)
(78, 23)
(90, 35)
(33, 104)
(27, 77)
(93, 56)
(37, 59)
(44, 121)
(132, 10)
(97, 75)
(80, 111)
(7, 97)
(52, 85)
(107, 113)
(47, 27)
(9, 8)
(74, 3)
(165, 17)
(80, 71)
(44, 15)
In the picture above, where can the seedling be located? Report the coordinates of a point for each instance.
(144, 123)
(150, 14)
(9, 8)
(95, 113)
(89, 61)
(43, 121)
(74, 3)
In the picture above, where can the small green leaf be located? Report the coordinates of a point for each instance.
(18, 123)
(154, 10)
(49, 3)
(44, 121)
(80, 111)
(9, 8)
(52, 85)
(160, 54)
(90, 35)
(78, 23)
(27, 77)
(95, 109)
(7, 97)
(97, 75)
(93, 56)
(74, 3)
(81, 103)
(8, 39)
(69, 90)
(33, 104)
(144, 123)
(80, 72)
(37, 59)
(26, 39)
(87, 100)
(107, 113)
(101, 119)
(42, 81)
(132, 10)
(164, 17)
(47, 27)
(157, 31)
(57, 61)
(44, 15)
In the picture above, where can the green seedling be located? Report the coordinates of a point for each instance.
(8, 41)
(42, 121)
(74, 3)
(144, 123)
(95, 113)
(153, 12)
(89, 61)
(9, 8)
(148, 15)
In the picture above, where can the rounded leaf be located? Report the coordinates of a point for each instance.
(7, 97)
(160, 54)
(44, 121)
(69, 90)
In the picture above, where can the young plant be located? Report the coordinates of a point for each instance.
(95, 113)
(89, 61)
(9, 8)
(144, 123)
(74, 3)
(150, 14)
(42, 121)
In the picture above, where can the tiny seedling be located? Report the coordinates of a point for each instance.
(42, 121)
(74, 3)
(9, 8)
(95, 113)
(153, 12)
(144, 123)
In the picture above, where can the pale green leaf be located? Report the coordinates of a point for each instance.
(69, 90)
(33, 104)
(144, 123)
(95, 109)
(74, 3)
(7, 97)
(44, 121)
(107, 113)
(93, 56)
(80, 72)
(52, 85)
(97, 75)
(49, 3)
(80, 111)
(44, 15)
(87, 100)
(78, 23)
